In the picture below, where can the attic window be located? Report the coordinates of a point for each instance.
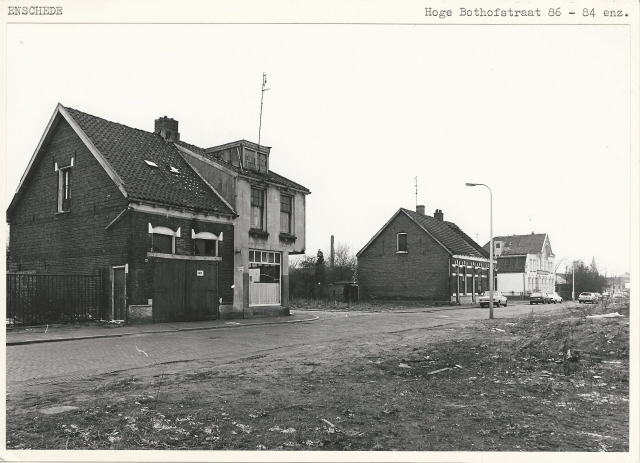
(173, 170)
(151, 163)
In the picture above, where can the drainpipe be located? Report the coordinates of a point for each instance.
(450, 272)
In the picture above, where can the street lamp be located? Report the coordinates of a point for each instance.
(490, 245)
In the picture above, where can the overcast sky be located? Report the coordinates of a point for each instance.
(355, 112)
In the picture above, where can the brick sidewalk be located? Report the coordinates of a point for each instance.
(56, 333)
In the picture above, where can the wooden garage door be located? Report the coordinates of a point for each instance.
(168, 290)
(185, 290)
(201, 292)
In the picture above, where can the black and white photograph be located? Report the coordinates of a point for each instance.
(321, 231)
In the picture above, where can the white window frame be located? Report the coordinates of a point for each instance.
(398, 251)
(62, 171)
(160, 230)
(207, 236)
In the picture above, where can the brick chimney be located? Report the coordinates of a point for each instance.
(439, 215)
(420, 209)
(167, 128)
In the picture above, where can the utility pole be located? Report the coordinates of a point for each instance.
(573, 284)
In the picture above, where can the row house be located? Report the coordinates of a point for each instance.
(181, 231)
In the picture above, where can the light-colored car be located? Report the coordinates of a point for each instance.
(498, 299)
(618, 296)
(588, 297)
(555, 298)
(598, 297)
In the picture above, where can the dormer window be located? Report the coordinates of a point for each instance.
(262, 163)
(173, 170)
(249, 159)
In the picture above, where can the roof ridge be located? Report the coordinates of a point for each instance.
(107, 120)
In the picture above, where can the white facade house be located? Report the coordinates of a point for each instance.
(525, 263)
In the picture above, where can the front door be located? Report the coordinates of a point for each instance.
(119, 294)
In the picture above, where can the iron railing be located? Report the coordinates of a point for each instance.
(35, 299)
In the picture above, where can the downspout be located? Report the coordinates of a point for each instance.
(450, 275)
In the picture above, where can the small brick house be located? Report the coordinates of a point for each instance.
(416, 256)
(98, 196)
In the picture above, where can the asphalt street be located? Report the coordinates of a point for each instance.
(71, 360)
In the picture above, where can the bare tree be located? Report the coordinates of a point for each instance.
(344, 264)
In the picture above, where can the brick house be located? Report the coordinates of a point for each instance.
(525, 264)
(101, 196)
(416, 256)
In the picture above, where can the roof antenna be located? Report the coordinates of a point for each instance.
(416, 193)
(264, 83)
(530, 229)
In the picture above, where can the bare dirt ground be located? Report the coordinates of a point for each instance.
(529, 383)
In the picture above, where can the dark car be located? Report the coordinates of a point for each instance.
(539, 298)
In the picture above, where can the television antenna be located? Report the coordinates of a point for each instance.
(264, 83)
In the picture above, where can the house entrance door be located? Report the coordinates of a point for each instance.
(119, 294)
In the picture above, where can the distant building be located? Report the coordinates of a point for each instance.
(525, 264)
(619, 284)
(416, 256)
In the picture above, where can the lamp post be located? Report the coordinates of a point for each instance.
(490, 245)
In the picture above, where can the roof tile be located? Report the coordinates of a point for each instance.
(448, 233)
(126, 149)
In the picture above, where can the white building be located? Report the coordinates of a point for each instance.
(525, 263)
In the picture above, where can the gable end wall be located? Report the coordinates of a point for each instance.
(44, 241)
(421, 273)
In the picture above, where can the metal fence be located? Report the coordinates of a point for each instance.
(35, 299)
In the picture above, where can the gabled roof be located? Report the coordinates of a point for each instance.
(122, 152)
(448, 234)
(516, 245)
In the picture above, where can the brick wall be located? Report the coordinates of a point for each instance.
(43, 240)
(421, 273)
(140, 280)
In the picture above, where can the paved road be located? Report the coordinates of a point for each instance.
(63, 361)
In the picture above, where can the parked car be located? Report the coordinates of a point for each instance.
(538, 297)
(618, 296)
(498, 299)
(555, 298)
(598, 297)
(588, 297)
